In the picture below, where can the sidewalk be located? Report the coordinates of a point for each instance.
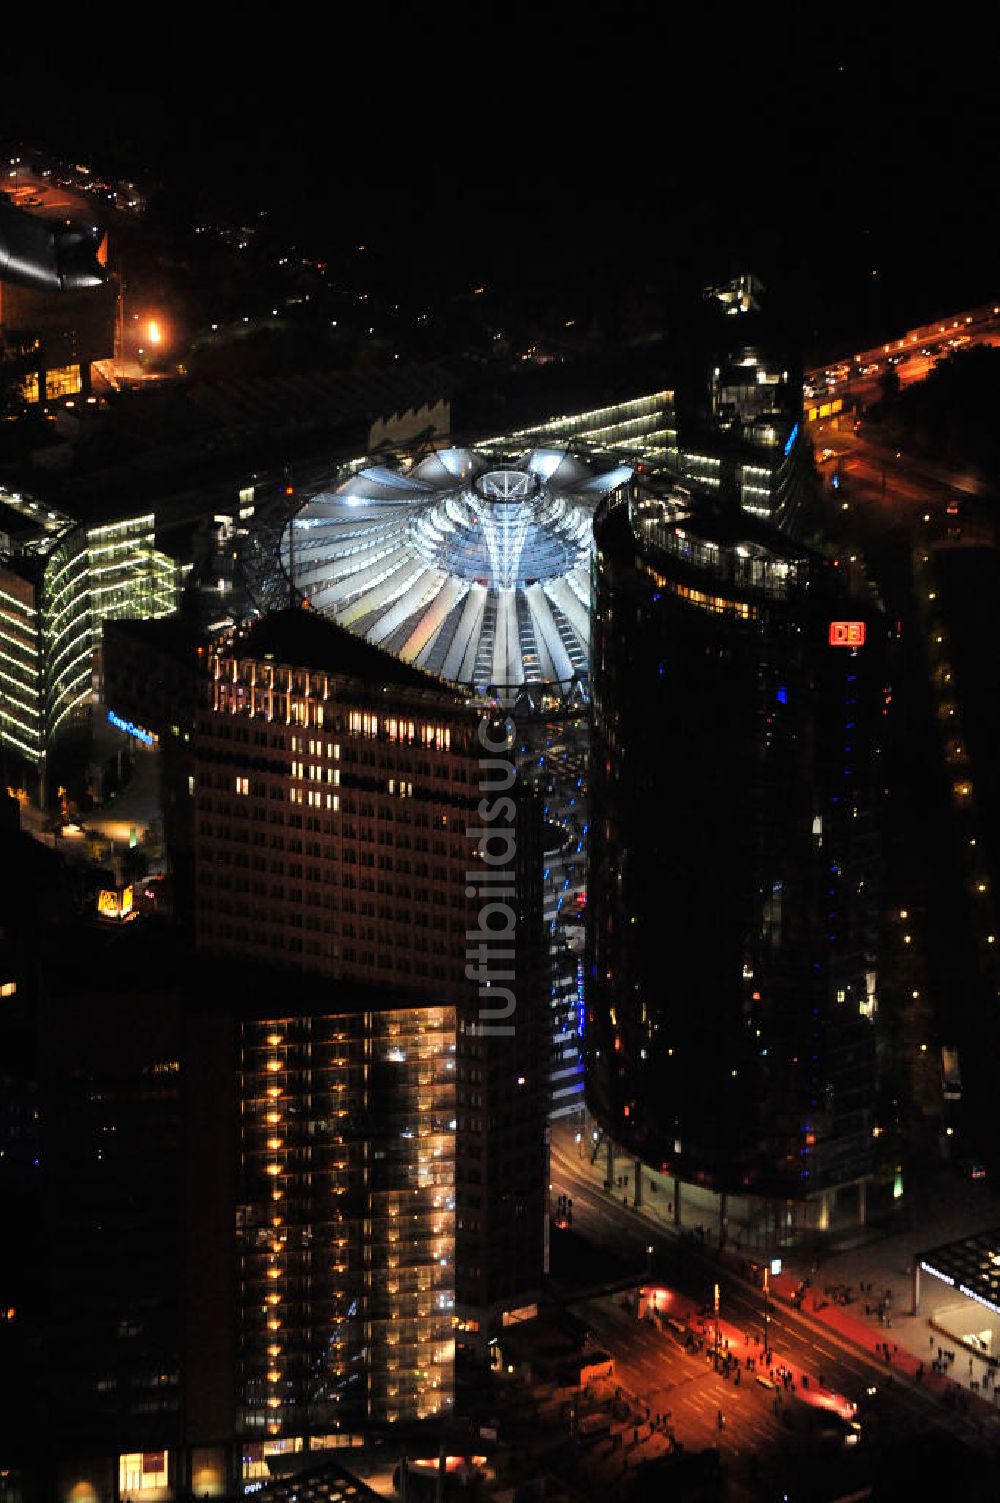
(897, 1348)
(945, 1211)
(700, 1213)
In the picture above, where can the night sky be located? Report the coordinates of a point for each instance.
(854, 167)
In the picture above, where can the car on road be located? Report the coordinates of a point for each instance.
(825, 455)
(820, 1424)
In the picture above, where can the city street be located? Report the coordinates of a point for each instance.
(912, 354)
(683, 1262)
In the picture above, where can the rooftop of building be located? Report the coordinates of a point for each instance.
(29, 524)
(177, 636)
(302, 638)
(970, 1264)
(703, 514)
(707, 535)
(163, 441)
(255, 989)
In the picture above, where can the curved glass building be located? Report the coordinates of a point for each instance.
(59, 581)
(471, 564)
(738, 685)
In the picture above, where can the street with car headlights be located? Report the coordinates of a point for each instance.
(889, 1404)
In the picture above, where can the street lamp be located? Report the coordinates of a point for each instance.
(649, 1258)
(716, 1303)
(767, 1285)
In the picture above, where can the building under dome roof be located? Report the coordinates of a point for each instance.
(470, 565)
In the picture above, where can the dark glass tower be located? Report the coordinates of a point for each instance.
(739, 688)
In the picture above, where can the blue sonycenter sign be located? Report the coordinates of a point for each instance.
(146, 737)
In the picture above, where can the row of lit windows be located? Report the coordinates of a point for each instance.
(717, 604)
(314, 798)
(365, 723)
(360, 755)
(314, 747)
(302, 710)
(315, 773)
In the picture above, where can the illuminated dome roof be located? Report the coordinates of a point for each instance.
(473, 567)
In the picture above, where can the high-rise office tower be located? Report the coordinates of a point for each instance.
(320, 1195)
(739, 689)
(358, 823)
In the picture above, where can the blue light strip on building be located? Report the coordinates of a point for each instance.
(146, 737)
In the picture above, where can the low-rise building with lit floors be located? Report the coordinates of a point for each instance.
(739, 686)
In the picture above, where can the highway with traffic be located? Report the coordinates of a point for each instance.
(911, 355)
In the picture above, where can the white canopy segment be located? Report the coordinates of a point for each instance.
(472, 567)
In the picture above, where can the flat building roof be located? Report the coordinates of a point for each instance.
(971, 1265)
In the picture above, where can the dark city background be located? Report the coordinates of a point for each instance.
(569, 434)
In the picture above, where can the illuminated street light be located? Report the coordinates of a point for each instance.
(715, 1302)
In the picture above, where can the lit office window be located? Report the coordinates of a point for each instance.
(63, 381)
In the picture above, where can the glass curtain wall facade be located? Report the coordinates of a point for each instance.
(128, 575)
(103, 573)
(731, 986)
(644, 426)
(21, 695)
(58, 584)
(68, 637)
(346, 1239)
